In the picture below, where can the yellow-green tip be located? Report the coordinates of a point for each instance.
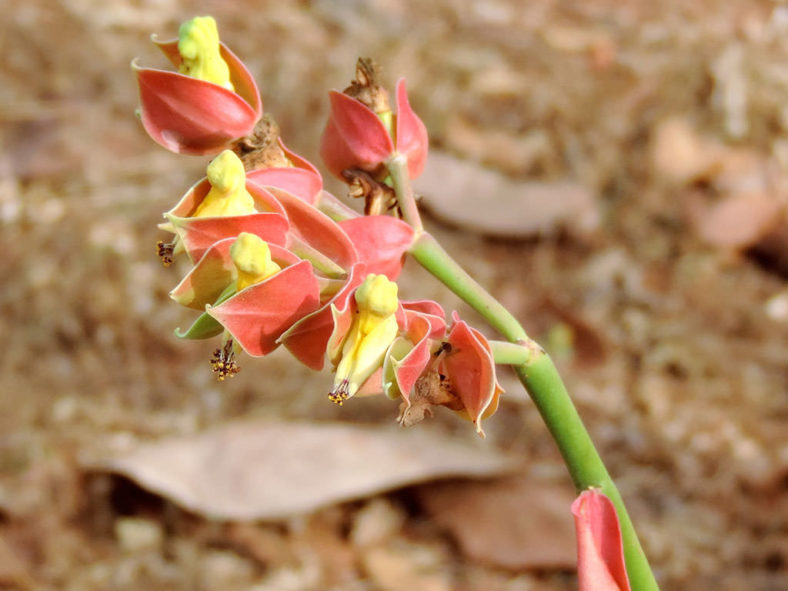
(228, 195)
(198, 44)
(252, 259)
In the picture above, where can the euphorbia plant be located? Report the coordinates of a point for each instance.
(276, 260)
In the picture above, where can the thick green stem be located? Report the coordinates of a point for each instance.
(505, 353)
(437, 261)
(543, 383)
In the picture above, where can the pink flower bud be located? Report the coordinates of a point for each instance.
(191, 116)
(355, 137)
(600, 553)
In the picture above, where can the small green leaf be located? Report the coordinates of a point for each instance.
(205, 327)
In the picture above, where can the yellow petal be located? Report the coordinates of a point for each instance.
(198, 44)
(252, 258)
(228, 195)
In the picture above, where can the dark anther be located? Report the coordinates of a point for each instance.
(223, 362)
(165, 251)
(339, 394)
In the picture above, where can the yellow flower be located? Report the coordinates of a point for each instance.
(373, 330)
(252, 259)
(198, 44)
(228, 195)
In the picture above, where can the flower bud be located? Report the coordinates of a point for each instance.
(600, 553)
(356, 137)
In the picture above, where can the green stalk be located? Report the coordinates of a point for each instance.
(543, 383)
(400, 178)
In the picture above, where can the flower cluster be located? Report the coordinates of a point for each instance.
(274, 260)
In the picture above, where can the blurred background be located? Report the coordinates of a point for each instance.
(617, 173)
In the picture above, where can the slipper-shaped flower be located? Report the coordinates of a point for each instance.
(356, 137)
(204, 107)
(308, 338)
(217, 277)
(267, 301)
(362, 335)
(223, 204)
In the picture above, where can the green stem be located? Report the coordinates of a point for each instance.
(543, 383)
(400, 177)
(505, 353)
(437, 261)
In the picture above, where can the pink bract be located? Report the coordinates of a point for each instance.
(471, 369)
(191, 116)
(600, 553)
(257, 316)
(308, 338)
(302, 179)
(355, 137)
(205, 282)
(381, 242)
(198, 234)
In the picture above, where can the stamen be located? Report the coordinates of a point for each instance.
(165, 251)
(340, 393)
(223, 362)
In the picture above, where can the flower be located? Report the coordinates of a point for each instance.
(222, 205)
(210, 102)
(600, 553)
(357, 137)
(374, 327)
(249, 288)
(431, 368)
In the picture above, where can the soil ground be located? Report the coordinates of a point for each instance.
(669, 319)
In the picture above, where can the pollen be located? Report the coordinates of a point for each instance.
(198, 44)
(223, 361)
(165, 251)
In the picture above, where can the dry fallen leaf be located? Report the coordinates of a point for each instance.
(483, 200)
(740, 220)
(268, 469)
(515, 523)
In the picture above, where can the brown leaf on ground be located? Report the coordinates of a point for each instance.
(406, 566)
(483, 200)
(740, 220)
(268, 469)
(516, 523)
